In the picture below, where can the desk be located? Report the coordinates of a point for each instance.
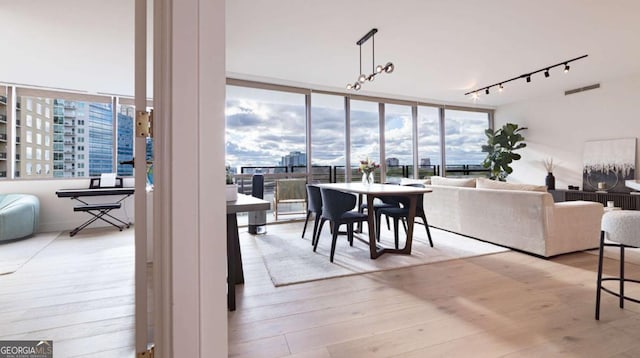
(235, 273)
(373, 191)
(98, 211)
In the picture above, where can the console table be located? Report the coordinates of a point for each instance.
(622, 200)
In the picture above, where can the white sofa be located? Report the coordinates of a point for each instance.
(524, 220)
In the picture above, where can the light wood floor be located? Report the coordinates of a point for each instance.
(507, 304)
(78, 292)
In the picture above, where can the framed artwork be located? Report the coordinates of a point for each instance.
(608, 163)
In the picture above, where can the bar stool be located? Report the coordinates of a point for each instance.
(623, 229)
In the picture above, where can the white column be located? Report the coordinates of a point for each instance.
(189, 204)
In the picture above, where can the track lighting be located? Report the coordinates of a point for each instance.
(526, 76)
(388, 68)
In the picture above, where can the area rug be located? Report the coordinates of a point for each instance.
(290, 259)
(15, 253)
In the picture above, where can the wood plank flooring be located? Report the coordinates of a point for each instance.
(508, 304)
(78, 292)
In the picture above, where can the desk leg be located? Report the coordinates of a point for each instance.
(235, 272)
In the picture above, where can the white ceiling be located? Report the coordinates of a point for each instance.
(441, 49)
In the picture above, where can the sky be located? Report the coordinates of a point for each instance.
(262, 126)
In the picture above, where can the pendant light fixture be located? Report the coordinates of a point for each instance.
(362, 78)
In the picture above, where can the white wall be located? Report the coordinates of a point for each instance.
(559, 126)
(56, 214)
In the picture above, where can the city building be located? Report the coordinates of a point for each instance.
(294, 159)
(392, 162)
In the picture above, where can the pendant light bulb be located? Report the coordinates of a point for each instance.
(371, 77)
(379, 69)
(500, 88)
(357, 86)
(566, 67)
(388, 68)
(349, 86)
(362, 78)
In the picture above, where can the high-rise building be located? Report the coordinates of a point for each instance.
(392, 162)
(34, 126)
(294, 159)
(425, 162)
(3, 133)
(125, 139)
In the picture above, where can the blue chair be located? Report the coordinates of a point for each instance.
(19, 216)
(314, 205)
(402, 212)
(336, 208)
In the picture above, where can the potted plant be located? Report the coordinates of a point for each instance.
(500, 148)
(231, 193)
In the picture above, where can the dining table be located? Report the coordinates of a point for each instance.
(235, 272)
(373, 191)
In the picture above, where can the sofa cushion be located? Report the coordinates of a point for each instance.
(460, 182)
(484, 183)
(409, 181)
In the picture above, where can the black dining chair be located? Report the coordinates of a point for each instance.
(401, 213)
(337, 208)
(314, 205)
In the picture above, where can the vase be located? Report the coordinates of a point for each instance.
(367, 178)
(550, 181)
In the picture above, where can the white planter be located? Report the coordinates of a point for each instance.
(231, 193)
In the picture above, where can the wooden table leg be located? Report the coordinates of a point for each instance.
(235, 272)
(411, 218)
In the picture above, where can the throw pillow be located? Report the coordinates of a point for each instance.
(463, 182)
(484, 183)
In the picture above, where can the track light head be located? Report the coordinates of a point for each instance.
(500, 88)
(528, 78)
(566, 67)
(546, 73)
(486, 91)
(388, 68)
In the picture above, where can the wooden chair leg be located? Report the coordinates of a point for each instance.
(395, 232)
(304, 228)
(426, 226)
(333, 242)
(315, 228)
(315, 245)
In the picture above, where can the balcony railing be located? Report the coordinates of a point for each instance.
(3, 99)
(3, 118)
(3, 155)
(3, 136)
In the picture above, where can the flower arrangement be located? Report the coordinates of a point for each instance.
(548, 164)
(368, 166)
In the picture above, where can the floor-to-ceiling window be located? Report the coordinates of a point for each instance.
(429, 148)
(398, 139)
(463, 139)
(365, 135)
(328, 138)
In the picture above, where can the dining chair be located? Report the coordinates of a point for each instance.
(401, 213)
(314, 205)
(382, 202)
(337, 208)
